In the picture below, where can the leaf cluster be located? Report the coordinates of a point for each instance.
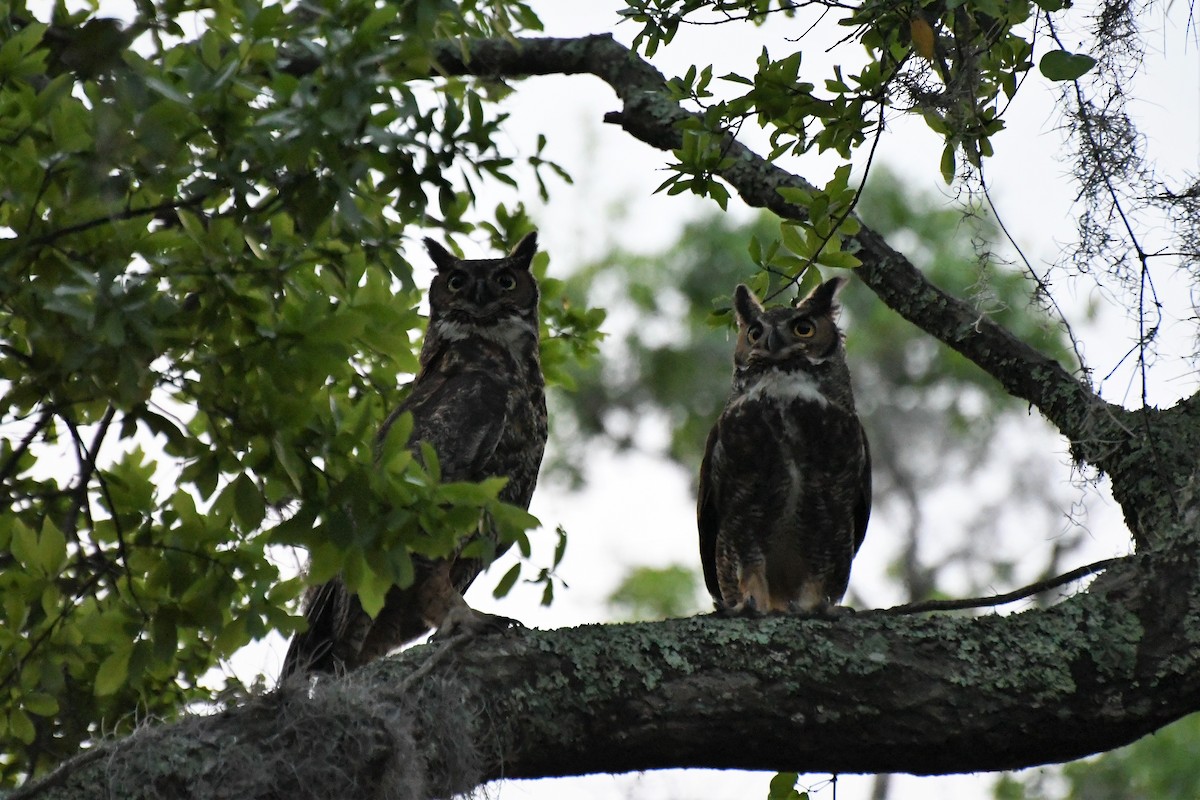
(1160, 766)
(956, 64)
(206, 313)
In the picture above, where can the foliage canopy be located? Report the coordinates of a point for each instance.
(207, 310)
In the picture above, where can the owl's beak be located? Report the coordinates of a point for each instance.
(773, 342)
(479, 291)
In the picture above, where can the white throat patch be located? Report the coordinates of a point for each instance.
(785, 387)
(507, 332)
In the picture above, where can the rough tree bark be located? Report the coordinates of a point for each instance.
(876, 692)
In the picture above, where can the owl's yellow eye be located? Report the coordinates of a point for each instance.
(804, 328)
(754, 332)
(506, 281)
(456, 282)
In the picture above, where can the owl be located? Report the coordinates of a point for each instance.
(785, 485)
(479, 400)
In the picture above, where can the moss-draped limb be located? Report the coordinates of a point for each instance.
(872, 692)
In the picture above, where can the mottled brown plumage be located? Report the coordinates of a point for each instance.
(785, 485)
(479, 399)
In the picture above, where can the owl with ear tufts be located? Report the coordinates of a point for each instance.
(479, 400)
(785, 485)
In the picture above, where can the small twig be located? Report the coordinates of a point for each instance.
(10, 466)
(128, 214)
(845, 215)
(87, 466)
(1002, 599)
(1043, 287)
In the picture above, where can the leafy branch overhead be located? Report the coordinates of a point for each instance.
(208, 308)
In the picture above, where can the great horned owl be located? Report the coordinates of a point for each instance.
(785, 485)
(479, 399)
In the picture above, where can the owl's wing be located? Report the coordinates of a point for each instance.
(862, 507)
(461, 414)
(707, 517)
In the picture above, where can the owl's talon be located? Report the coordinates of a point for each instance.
(467, 621)
(746, 608)
(729, 611)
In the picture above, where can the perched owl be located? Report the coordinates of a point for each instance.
(479, 399)
(785, 485)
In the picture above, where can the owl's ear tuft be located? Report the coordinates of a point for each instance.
(745, 305)
(823, 299)
(442, 258)
(524, 250)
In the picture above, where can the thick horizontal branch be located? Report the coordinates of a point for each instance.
(653, 116)
(865, 693)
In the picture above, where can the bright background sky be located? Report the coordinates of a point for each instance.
(639, 510)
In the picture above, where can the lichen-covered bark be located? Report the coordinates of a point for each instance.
(873, 692)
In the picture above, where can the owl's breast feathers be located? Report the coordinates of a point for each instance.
(482, 405)
(784, 491)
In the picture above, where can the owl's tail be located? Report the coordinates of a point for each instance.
(341, 636)
(331, 639)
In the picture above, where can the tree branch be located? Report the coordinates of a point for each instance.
(961, 604)
(1145, 469)
(650, 114)
(872, 693)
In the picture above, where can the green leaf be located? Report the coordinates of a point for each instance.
(21, 726)
(783, 787)
(372, 590)
(113, 671)
(248, 506)
(24, 545)
(39, 704)
(14, 51)
(430, 459)
(1060, 65)
(936, 122)
(838, 259)
(948, 166)
(402, 566)
(289, 460)
(510, 518)
(52, 548)
(560, 549)
(796, 195)
(507, 582)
